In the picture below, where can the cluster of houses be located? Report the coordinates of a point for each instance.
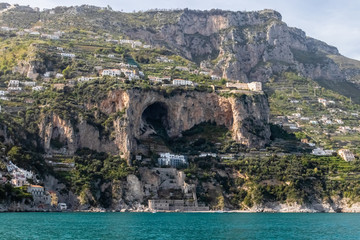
(56, 35)
(131, 74)
(345, 154)
(17, 86)
(21, 177)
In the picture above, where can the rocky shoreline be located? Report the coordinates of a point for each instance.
(266, 208)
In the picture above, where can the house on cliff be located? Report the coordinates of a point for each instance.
(182, 82)
(346, 154)
(253, 86)
(167, 159)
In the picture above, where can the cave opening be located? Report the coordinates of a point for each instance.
(155, 119)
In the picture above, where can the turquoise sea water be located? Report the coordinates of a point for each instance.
(179, 226)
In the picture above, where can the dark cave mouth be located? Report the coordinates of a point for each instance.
(155, 117)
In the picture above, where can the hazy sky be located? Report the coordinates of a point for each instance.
(335, 22)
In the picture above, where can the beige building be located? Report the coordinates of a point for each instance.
(39, 194)
(253, 86)
(346, 154)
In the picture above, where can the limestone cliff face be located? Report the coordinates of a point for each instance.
(245, 46)
(246, 116)
(30, 69)
(68, 137)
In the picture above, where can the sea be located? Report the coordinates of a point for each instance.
(189, 226)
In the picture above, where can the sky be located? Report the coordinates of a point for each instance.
(335, 22)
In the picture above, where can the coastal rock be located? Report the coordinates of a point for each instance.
(245, 116)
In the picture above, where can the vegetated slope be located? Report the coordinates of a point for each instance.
(243, 46)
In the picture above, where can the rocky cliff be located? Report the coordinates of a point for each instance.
(63, 137)
(245, 46)
(246, 116)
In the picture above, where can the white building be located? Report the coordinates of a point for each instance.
(131, 74)
(182, 82)
(62, 206)
(159, 79)
(50, 36)
(215, 77)
(202, 155)
(325, 102)
(70, 55)
(47, 74)
(304, 118)
(34, 33)
(59, 75)
(85, 79)
(37, 88)
(205, 73)
(125, 41)
(111, 72)
(29, 84)
(167, 159)
(322, 100)
(136, 44)
(7, 29)
(4, 98)
(14, 83)
(14, 89)
(322, 152)
(346, 154)
(3, 93)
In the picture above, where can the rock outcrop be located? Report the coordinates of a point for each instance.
(245, 116)
(60, 136)
(245, 46)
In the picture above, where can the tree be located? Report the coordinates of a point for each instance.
(220, 203)
(67, 72)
